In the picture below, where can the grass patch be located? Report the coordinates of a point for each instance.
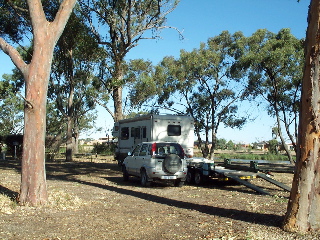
(64, 201)
(7, 205)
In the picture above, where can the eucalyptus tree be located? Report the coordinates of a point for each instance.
(29, 21)
(75, 57)
(201, 78)
(273, 65)
(141, 84)
(303, 206)
(125, 23)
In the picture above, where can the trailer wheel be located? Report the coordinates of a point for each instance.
(190, 177)
(198, 178)
(172, 163)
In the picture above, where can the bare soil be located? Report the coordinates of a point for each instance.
(89, 200)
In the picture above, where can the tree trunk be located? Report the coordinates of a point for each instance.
(117, 99)
(33, 188)
(33, 178)
(285, 146)
(76, 142)
(303, 207)
(70, 120)
(69, 147)
(117, 90)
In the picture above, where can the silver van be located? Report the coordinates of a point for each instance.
(159, 160)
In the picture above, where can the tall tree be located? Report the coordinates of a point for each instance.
(127, 22)
(303, 206)
(202, 80)
(75, 56)
(36, 74)
(273, 63)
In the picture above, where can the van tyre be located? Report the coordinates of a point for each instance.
(178, 183)
(125, 173)
(172, 163)
(144, 180)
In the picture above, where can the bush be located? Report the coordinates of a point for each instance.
(103, 148)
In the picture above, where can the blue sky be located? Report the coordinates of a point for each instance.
(201, 19)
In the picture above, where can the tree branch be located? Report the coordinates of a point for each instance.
(14, 55)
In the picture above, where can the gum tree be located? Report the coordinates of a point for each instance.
(201, 80)
(36, 73)
(273, 64)
(303, 206)
(126, 23)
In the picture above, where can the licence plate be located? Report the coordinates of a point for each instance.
(169, 177)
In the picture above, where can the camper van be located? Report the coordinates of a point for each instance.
(153, 128)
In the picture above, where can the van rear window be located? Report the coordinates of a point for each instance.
(174, 130)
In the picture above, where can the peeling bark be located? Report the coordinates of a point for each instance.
(304, 203)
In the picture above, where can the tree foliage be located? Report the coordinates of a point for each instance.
(273, 64)
(201, 81)
(127, 22)
(75, 57)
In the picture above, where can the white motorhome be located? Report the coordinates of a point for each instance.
(153, 128)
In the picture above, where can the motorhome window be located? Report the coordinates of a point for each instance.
(174, 130)
(124, 133)
(132, 132)
(144, 132)
(137, 133)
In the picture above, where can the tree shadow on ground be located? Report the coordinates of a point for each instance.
(235, 214)
(69, 172)
(8, 192)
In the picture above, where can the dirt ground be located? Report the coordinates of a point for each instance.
(89, 200)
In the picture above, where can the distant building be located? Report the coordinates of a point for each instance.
(101, 141)
(261, 146)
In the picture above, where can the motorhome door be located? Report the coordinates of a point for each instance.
(140, 135)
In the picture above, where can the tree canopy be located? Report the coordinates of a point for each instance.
(273, 63)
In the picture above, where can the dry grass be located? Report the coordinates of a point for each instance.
(7, 205)
(62, 200)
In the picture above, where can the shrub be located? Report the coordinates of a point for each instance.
(103, 148)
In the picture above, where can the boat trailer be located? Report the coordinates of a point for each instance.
(200, 170)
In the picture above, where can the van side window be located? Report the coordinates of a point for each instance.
(124, 133)
(174, 130)
(144, 150)
(135, 151)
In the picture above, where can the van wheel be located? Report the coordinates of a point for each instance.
(144, 179)
(125, 173)
(172, 163)
(178, 183)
